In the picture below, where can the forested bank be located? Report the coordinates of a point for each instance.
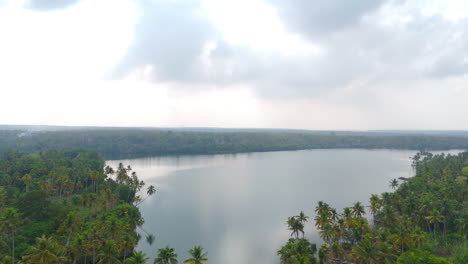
(132, 143)
(63, 207)
(422, 222)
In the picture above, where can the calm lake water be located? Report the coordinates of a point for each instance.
(236, 205)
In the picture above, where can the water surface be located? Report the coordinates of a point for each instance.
(236, 205)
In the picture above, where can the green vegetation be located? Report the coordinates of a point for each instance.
(62, 207)
(422, 222)
(130, 143)
(66, 207)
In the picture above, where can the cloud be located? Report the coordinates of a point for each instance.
(324, 16)
(47, 5)
(168, 40)
(360, 47)
(373, 61)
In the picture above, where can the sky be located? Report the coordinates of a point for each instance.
(322, 65)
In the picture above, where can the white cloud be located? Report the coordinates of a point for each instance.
(257, 63)
(256, 24)
(79, 42)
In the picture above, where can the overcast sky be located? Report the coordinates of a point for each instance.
(323, 64)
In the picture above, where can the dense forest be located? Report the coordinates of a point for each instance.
(63, 207)
(131, 143)
(422, 222)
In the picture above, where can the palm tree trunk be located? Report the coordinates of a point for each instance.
(445, 227)
(13, 248)
(67, 243)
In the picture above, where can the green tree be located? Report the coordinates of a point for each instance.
(150, 239)
(298, 251)
(465, 171)
(71, 224)
(435, 218)
(302, 217)
(34, 205)
(109, 253)
(416, 256)
(295, 226)
(46, 250)
(394, 184)
(150, 190)
(12, 220)
(166, 255)
(358, 210)
(197, 256)
(137, 258)
(375, 205)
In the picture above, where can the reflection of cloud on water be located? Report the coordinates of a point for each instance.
(152, 168)
(251, 246)
(234, 249)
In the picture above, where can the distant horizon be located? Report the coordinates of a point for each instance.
(236, 128)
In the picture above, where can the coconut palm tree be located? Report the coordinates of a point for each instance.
(108, 253)
(295, 226)
(197, 256)
(11, 219)
(150, 239)
(394, 184)
(137, 258)
(46, 250)
(108, 170)
(302, 217)
(375, 205)
(151, 190)
(435, 218)
(348, 216)
(166, 255)
(327, 233)
(71, 224)
(358, 210)
(322, 253)
(287, 252)
(322, 207)
(322, 219)
(27, 180)
(78, 249)
(366, 252)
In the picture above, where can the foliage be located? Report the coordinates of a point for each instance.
(58, 207)
(459, 254)
(416, 256)
(197, 256)
(421, 222)
(137, 258)
(166, 255)
(45, 250)
(298, 250)
(118, 143)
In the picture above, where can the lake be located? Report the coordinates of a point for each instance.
(236, 205)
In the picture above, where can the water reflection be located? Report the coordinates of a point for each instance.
(236, 205)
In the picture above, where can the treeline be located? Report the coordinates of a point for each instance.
(131, 143)
(422, 222)
(64, 207)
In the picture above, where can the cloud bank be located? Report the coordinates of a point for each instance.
(383, 63)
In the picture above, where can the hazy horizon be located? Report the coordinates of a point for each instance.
(234, 128)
